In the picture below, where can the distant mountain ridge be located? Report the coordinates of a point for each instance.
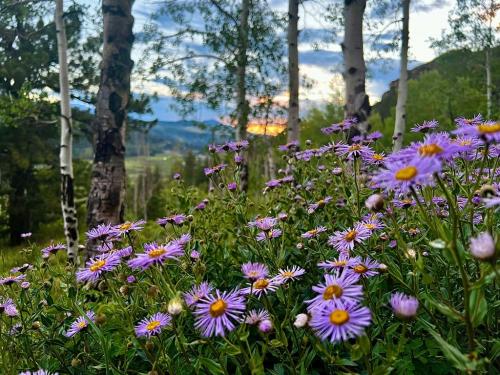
(452, 64)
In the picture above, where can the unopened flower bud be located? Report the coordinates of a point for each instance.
(75, 362)
(265, 326)
(36, 325)
(175, 306)
(301, 320)
(375, 202)
(482, 247)
(124, 290)
(153, 291)
(382, 267)
(149, 345)
(300, 246)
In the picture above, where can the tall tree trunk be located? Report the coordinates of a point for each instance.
(106, 202)
(357, 101)
(400, 125)
(243, 106)
(293, 71)
(488, 83)
(70, 218)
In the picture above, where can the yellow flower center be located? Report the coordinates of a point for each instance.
(406, 173)
(261, 284)
(82, 325)
(489, 128)
(126, 226)
(332, 291)
(350, 236)
(97, 265)
(253, 273)
(340, 263)
(378, 157)
(217, 308)
(355, 148)
(465, 142)
(360, 268)
(339, 317)
(157, 252)
(313, 232)
(153, 325)
(430, 150)
(370, 226)
(321, 203)
(287, 274)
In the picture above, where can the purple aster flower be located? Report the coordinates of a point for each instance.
(342, 261)
(12, 279)
(425, 126)
(182, 240)
(288, 274)
(25, 284)
(16, 329)
(436, 145)
(264, 223)
(342, 126)
(155, 254)
(254, 271)
(96, 267)
(218, 313)
(38, 372)
(23, 268)
(399, 176)
(271, 184)
(463, 122)
(374, 136)
(215, 169)
(489, 132)
(200, 206)
(291, 146)
(105, 246)
(52, 249)
(80, 324)
(263, 236)
(353, 150)
(153, 325)
(9, 308)
(373, 224)
(340, 322)
(177, 176)
(344, 241)
(101, 233)
(404, 203)
(232, 186)
(491, 202)
(313, 233)
(128, 227)
(256, 316)
(131, 279)
(339, 287)
(482, 247)
(197, 293)
(238, 145)
(177, 219)
(319, 204)
(374, 158)
(467, 147)
(404, 307)
(261, 286)
(195, 254)
(122, 253)
(365, 268)
(238, 159)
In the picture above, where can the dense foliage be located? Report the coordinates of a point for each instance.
(350, 262)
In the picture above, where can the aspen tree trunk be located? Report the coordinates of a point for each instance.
(243, 106)
(488, 83)
(106, 202)
(293, 71)
(400, 125)
(357, 101)
(70, 218)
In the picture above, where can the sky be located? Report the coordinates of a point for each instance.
(320, 64)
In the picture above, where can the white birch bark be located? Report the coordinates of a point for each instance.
(357, 101)
(488, 83)
(400, 125)
(66, 148)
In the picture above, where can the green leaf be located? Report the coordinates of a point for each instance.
(449, 312)
(455, 356)
(212, 366)
(478, 307)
